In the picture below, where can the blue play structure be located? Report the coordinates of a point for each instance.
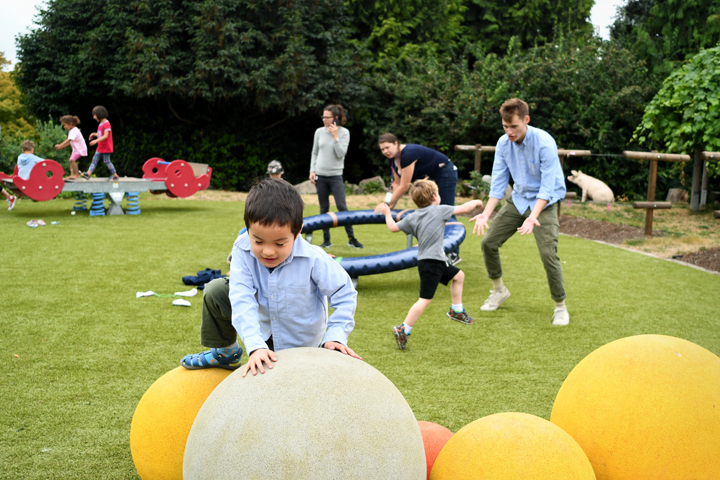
(387, 262)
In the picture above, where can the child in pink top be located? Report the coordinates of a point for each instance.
(76, 141)
(104, 141)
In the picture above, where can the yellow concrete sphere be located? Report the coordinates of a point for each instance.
(511, 446)
(164, 417)
(645, 407)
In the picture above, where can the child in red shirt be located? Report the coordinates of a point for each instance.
(104, 142)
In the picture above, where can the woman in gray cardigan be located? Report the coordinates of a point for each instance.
(327, 164)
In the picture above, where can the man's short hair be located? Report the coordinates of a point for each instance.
(513, 107)
(274, 201)
(422, 192)
(27, 145)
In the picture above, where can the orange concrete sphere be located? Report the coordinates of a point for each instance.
(645, 407)
(164, 417)
(512, 446)
(434, 438)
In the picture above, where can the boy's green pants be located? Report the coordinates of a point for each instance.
(217, 330)
(505, 225)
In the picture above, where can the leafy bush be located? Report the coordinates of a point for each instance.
(46, 136)
(685, 114)
(372, 187)
(587, 93)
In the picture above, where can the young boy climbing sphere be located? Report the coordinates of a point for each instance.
(280, 289)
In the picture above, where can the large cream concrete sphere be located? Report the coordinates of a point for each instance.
(645, 407)
(511, 446)
(163, 418)
(317, 414)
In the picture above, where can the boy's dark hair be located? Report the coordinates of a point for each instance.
(70, 120)
(100, 112)
(422, 192)
(513, 107)
(27, 145)
(274, 201)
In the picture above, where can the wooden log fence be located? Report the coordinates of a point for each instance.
(707, 157)
(650, 205)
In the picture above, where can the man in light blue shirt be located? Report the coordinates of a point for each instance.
(530, 156)
(279, 289)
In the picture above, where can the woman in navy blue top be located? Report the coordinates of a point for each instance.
(410, 162)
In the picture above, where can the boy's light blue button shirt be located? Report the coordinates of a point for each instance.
(291, 303)
(535, 169)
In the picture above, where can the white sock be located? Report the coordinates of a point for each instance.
(458, 307)
(408, 328)
(498, 285)
(560, 305)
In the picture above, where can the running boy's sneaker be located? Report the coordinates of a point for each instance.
(354, 243)
(560, 317)
(461, 317)
(400, 336)
(11, 202)
(494, 300)
(453, 258)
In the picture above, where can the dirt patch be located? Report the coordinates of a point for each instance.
(707, 259)
(602, 231)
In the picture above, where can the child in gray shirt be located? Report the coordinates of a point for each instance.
(428, 225)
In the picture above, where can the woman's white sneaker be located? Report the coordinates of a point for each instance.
(495, 300)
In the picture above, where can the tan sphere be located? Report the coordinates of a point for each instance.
(645, 407)
(317, 414)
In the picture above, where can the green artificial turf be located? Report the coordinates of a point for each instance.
(78, 350)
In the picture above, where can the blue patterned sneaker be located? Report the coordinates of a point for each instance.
(400, 336)
(461, 317)
(212, 358)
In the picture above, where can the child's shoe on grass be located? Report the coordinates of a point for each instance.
(400, 336)
(461, 317)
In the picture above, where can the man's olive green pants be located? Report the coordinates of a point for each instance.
(505, 225)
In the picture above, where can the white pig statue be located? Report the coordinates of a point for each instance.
(592, 188)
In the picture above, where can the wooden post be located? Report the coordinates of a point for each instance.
(704, 185)
(697, 179)
(478, 157)
(651, 197)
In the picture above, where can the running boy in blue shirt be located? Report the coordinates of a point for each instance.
(280, 287)
(427, 224)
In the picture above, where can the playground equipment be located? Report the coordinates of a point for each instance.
(330, 416)
(178, 178)
(434, 439)
(645, 407)
(388, 262)
(163, 418)
(512, 446)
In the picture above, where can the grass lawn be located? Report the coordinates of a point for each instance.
(78, 350)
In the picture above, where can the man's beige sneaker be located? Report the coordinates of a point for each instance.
(561, 317)
(495, 300)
